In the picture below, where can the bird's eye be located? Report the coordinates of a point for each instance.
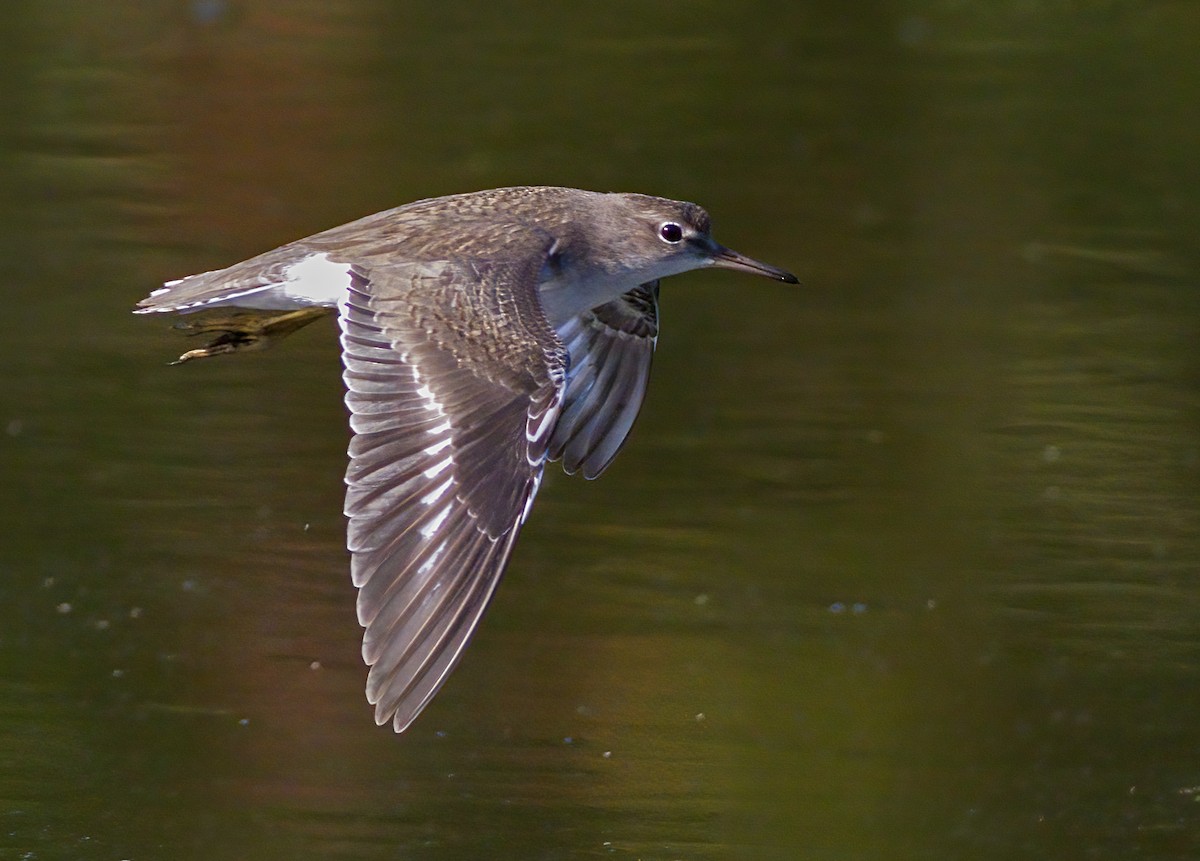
(670, 232)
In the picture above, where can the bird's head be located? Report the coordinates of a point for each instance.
(667, 237)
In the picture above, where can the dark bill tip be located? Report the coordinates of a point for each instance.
(727, 258)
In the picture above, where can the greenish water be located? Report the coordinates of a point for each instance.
(901, 564)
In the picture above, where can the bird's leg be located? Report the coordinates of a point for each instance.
(243, 330)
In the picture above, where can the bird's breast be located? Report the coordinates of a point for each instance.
(567, 291)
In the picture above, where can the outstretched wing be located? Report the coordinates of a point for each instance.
(610, 348)
(454, 383)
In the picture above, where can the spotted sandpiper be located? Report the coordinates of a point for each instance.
(482, 335)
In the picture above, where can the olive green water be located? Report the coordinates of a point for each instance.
(903, 564)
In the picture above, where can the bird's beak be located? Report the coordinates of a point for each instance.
(727, 258)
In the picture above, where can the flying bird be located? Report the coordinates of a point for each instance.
(482, 335)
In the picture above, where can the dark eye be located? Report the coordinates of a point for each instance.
(670, 232)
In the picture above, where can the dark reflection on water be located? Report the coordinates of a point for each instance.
(901, 564)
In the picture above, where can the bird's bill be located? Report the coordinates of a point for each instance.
(727, 258)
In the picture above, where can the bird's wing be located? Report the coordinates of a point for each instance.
(610, 348)
(452, 412)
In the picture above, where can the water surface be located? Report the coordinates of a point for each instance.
(900, 564)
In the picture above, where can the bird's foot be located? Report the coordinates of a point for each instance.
(244, 330)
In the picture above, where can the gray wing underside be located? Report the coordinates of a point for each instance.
(448, 450)
(611, 348)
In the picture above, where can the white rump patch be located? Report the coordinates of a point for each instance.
(316, 280)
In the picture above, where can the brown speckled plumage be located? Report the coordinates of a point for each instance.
(482, 334)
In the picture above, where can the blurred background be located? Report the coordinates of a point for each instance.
(902, 563)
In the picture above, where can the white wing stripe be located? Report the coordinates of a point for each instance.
(428, 530)
(439, 491)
